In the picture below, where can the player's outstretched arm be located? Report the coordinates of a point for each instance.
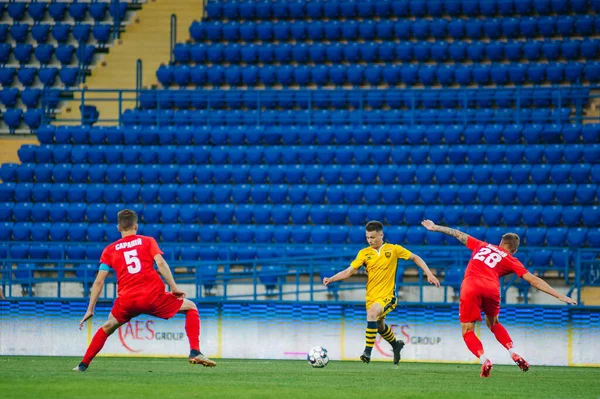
(165, 271)
(94, 295)
(459, 235)
(541, 285)
(421, 263)
(344, 274)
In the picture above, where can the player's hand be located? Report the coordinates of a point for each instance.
(433, 280)
(568, 300)
(88, 315)
(326, 281)
(178, 293)
(428, 224)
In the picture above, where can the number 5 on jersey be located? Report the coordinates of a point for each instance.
(133, 262)
(488, 257)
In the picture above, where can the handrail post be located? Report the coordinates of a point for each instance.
(172, 37)
(312, 277)
(578, 275)
(254, 281)
(117, 20)
(120, 105)
(138, 81)
(81, 107)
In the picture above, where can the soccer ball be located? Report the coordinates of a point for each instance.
(317, 357)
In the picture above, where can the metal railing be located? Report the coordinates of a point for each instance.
(290, 277)
(565, 104)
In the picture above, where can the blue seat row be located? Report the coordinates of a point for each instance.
(474, 215)
(345, 135)
(350, 172)
(299, 193)
(77, 253)
(92, 253)
(45, 75)
(539, 97)
(66, 54)
(403, 29)
(375, 75)
(334, 147)
(58, 11)
(544, 258)
(31, 98)
(331, 9)
(298, 234)
(388, 51)
(14, 116)
(321, 118)
(62, 33)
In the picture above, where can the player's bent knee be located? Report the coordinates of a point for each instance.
(187, 305)
(466, 327)
(111, 325)
(490, 321)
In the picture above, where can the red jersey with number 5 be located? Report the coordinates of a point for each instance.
(491, 262)
(132, 258)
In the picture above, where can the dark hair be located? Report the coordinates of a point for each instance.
(511, 240)
(374, 225)
(127, 218)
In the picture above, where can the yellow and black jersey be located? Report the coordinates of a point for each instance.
(381, 269)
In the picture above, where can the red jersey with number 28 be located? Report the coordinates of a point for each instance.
(491, 262)
(132, 258)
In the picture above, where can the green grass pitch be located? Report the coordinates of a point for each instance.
(51, 377)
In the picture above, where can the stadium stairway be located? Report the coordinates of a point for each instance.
(147, 38)
(590, 296)
(10, 144)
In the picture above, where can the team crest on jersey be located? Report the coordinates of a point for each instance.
(388, 254)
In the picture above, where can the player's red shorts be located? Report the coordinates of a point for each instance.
(477, 295)
(163, 305)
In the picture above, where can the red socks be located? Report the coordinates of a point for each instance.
(473, 343)
(95, 346)
(502, 335)
(192, 329)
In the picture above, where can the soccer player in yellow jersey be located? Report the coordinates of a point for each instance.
(380, 261)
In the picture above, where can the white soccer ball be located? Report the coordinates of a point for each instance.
(317, 357)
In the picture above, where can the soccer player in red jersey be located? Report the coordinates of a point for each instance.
(140, 290)
(480, 290)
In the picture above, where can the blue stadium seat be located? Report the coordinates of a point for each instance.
(98, 11)
(19, 32)
(77, 11)
(43, 53)
(40, 32)
(556, 236)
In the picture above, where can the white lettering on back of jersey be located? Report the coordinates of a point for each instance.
(129, 244)
(501, 253)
